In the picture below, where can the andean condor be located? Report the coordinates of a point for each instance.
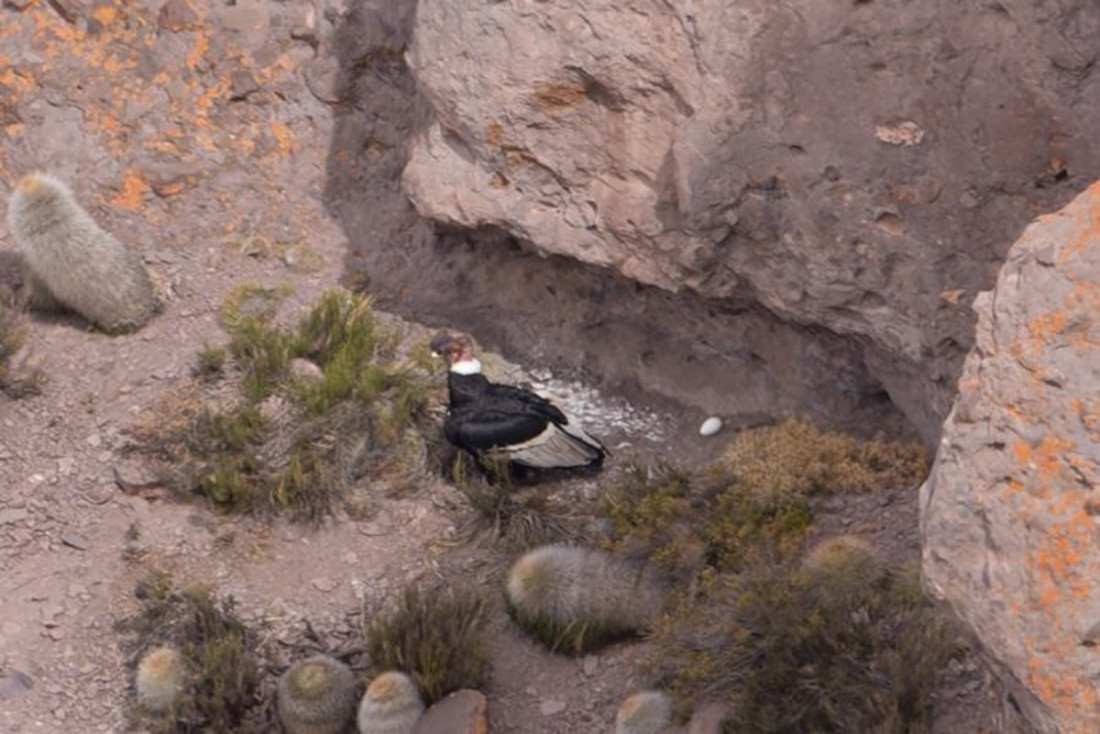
(496, 422)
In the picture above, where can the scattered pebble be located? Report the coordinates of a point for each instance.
(462, 712)
(16, 683)
(12, 516)
(325, 584)
(551, 707)
(75, 540)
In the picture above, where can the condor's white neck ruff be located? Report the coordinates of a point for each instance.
(467, 367)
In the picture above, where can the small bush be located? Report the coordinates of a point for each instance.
(289, 444)
(261, 352)
(757, 501)
(688, 522)
(797, 458)
(798, 650)
(217, 651)
(15, 380)
(210, 364)
(436, 636)
(841, 642)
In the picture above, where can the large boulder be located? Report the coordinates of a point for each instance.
(856, 167)
(1010, 514)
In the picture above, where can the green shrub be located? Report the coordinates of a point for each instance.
(210, 363)
(839, 643)
(688, 522)
(291, 445)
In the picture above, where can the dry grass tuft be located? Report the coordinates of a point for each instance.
(515, 520)
(797, 458)
(210, 364)
(757, 500)
(434, 635)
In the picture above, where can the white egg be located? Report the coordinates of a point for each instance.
(710, 426)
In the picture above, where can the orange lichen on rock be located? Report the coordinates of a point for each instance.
(1037, 383)
(1012, 487)
(1058, 558)
(494, 134)
(198, 52)
(47, 23)
(284, 139)
(1060, 690)
(1048, 325)
(558, 97)
(17, 80)
(1049, 455)
(105, 14)
(134, 187)
(104, 121)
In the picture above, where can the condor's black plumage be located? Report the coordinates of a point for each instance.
(496, 421)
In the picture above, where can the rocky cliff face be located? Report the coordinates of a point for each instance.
(859, 168)
(1009, 513)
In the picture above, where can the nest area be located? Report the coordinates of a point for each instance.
(342, 410)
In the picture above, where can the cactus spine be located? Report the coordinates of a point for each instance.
(574, 599)
(316, 696)
(159, 679)
(73, 260)
(391, 705)
(645, 712)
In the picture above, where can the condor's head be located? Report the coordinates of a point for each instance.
(457, 348)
